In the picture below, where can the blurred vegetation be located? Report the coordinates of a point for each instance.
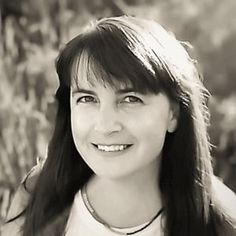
(32, 32)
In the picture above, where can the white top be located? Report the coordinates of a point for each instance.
(82, 223)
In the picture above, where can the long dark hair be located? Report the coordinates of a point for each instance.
(142, 53)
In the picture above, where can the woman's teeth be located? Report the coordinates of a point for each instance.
(112, 148)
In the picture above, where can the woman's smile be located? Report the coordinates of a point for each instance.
(109, 152)
(112, 147)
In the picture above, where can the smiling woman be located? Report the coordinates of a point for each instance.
(112, 124)
(130, 152)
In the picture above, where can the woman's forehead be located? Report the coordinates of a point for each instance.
(88, 70)
(93, 81)
(88, 73)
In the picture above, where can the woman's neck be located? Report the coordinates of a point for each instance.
(116, 200)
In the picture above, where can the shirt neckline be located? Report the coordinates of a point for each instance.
(80, 212)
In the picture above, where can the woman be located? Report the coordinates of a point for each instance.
(130, 152)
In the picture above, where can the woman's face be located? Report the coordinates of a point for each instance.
(119, 132)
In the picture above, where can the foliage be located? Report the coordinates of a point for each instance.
(32, 32)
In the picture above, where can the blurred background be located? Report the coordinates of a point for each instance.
(31, 34)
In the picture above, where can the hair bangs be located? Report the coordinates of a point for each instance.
(108, 57)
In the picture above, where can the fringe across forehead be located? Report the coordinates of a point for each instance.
(119, 52)
(86, 68)
(108, 57)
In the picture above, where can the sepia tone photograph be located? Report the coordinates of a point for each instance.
(117, 117)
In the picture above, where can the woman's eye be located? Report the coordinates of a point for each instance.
(132, 99)
(86, 99)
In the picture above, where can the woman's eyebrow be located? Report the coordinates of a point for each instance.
(125, 90)
(79, 90)
(119, 91)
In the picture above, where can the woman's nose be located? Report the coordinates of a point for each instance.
(107, 121)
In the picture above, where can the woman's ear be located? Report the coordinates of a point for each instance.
(173, 119)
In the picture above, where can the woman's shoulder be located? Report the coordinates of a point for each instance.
(224, 197)
(225, 203)
(15, 218)
(225, 227)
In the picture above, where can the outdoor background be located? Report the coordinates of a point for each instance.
(33, 31)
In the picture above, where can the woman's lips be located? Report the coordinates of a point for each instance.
(112, 147)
